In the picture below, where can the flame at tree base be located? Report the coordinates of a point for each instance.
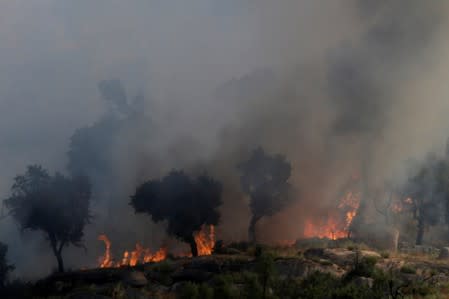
(205, 242)
(130, 258)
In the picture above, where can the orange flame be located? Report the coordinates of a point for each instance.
(130, 258)
(335, 226)
(402, 205)
(105, 261)
(205, 243)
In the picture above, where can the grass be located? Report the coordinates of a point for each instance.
(408, 269)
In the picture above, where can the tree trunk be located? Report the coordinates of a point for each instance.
(57, 251)
(420, 235)
(252, 229)
(60, 261)
(193, 247)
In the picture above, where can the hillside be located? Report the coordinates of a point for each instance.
(345, 272)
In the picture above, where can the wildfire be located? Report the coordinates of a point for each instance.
(336, 225)
(205, 242)
(401, 205)
(129, 258)
(106, 260)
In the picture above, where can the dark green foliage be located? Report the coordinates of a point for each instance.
(205, 292)
(353, 291)
(287, 288)
(223, 288)
(5, 268)
(420, 288)
(266, 272)
(185, 203)
(189, 291)
(264, 178)
(319, 285)
(56, 205)
(362, 267)
(408, 269)
(325, 286)
(252, 288)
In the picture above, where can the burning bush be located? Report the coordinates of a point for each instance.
(56, 205)
(186, 204)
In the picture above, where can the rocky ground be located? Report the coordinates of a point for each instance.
(415, 274)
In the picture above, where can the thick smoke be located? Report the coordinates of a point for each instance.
(342, 88)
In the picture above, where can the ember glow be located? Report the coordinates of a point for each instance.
(335, 225)
(402, 205)
(205, 241)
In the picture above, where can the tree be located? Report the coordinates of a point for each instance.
(5, 268)
(264, 178)
(55, 205)
(428, 190)
(185, 203)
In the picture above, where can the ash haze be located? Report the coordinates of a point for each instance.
(337, 86)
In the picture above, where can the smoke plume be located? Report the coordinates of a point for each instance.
(350, 88)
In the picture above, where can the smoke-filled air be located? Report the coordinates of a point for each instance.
(136, 131)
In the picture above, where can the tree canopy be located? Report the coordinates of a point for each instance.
(55, 205)
(185, 203)
(265, 179)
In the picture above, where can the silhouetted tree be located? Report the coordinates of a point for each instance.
(56, 205)
(5, 268)
(90, 148)
(185, 203)
(114, 92)
(429, 190)
(264, 178)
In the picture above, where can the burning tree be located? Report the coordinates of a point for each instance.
(428, 193)
(264, 178)
(186, 204)
(56, 205)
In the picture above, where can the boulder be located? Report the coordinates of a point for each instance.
(302, 268)
(339, 256)
(135, 279)
(444, 253)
